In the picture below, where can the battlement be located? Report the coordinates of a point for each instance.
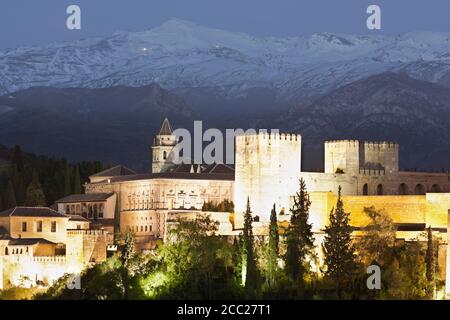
(340, 143)
(380, 145)
(55, 259)
(90, 232)
(264, 135)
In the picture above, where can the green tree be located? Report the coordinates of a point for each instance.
(77, 181)
(67, 180)
(9, 200)
(128, 254)
(430, 264)
(249, 261)
(19, 184)
(17, 158)
(379, 237)
(35, 195)
(194, 263)
(299, 240)
(272, 250)
(340, 260)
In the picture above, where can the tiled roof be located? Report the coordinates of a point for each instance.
(32, 212)
(166, 129)
(88, 197)
(202, 168)
(28, 241)
(114, 172)
(78, 218)
(176, 175)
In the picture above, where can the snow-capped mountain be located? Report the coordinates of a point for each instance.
(180, 54)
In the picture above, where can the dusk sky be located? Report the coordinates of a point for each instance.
(27, 22)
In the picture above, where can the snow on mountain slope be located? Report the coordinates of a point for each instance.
(180, 54)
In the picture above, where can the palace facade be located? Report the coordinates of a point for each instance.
(267, 171)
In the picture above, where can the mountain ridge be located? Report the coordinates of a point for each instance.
(180, 54)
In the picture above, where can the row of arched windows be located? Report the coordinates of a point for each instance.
(15, 251)
(403, 189)
(90, 210)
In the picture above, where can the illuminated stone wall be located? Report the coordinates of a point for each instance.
(342, 155)
(86, 246)
(165, 193)
(267, 167)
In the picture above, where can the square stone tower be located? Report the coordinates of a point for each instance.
(267, 169)
(162, 148)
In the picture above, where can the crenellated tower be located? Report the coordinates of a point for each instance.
(267, 169)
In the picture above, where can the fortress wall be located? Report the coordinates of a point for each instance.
(343, 155)
(384, 153)
(267, 167)
(330, 182)
(86, 246)
(414, 182)
(430, 209)
(25, 270)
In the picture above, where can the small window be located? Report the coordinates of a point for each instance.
(150, 228)
(78, 226)
(146, 229)
(24, 227)
(53, 226)
(39, 226)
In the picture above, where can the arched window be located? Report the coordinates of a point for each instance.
(165, 155)
(101, 208)
(6, 251)
(419, 189)
(365, 189)
(403, 189)
(435, 188)
(380, 190)
(95, 211)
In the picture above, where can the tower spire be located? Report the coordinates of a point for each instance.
(166, 129)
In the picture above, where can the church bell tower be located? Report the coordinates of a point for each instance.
(163, 145)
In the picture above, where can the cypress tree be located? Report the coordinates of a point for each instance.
(35, 194)
(17, 158)
(77, 181)
(249, 254)
(430, 264)
(272, 250)
(1, 198)
(339, 252)
(10, 198)
(67, 179)
(299, 239)
(19, 185)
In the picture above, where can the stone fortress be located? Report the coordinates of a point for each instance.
(267, 171)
